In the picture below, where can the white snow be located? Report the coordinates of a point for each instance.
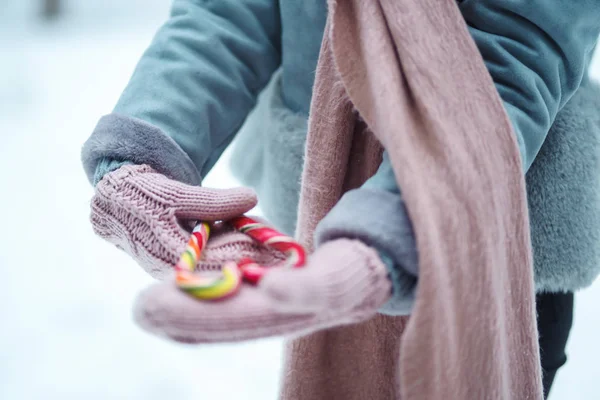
(65, 295)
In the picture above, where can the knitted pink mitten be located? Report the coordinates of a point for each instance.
(143, 213)
(344, 282)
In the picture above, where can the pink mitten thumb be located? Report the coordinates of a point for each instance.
(341, 276)
(195, 202)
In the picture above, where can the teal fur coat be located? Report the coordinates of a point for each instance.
(242, 70)
(563, 184)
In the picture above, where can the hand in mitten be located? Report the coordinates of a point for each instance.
(343, 282)
(145, 213)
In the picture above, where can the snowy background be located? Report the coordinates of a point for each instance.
(65, 296)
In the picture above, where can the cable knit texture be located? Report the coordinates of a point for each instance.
(344, 282)
(143, 213)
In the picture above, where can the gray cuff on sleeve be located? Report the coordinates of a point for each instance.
(119, 137)
(403, 290)
(379, 219)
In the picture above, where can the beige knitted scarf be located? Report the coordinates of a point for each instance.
(414, 75)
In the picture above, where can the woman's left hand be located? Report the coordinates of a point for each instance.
(343, 282)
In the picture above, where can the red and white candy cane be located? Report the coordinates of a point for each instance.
(269, 237)
(228, 283)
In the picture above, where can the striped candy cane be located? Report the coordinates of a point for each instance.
(228, 283)
(193, 283)
(269, 237)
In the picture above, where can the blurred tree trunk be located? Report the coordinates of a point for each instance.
(51, 8)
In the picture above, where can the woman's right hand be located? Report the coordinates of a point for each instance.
(146, 214)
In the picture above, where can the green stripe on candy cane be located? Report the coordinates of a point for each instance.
(229, 280)
(194, 283)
